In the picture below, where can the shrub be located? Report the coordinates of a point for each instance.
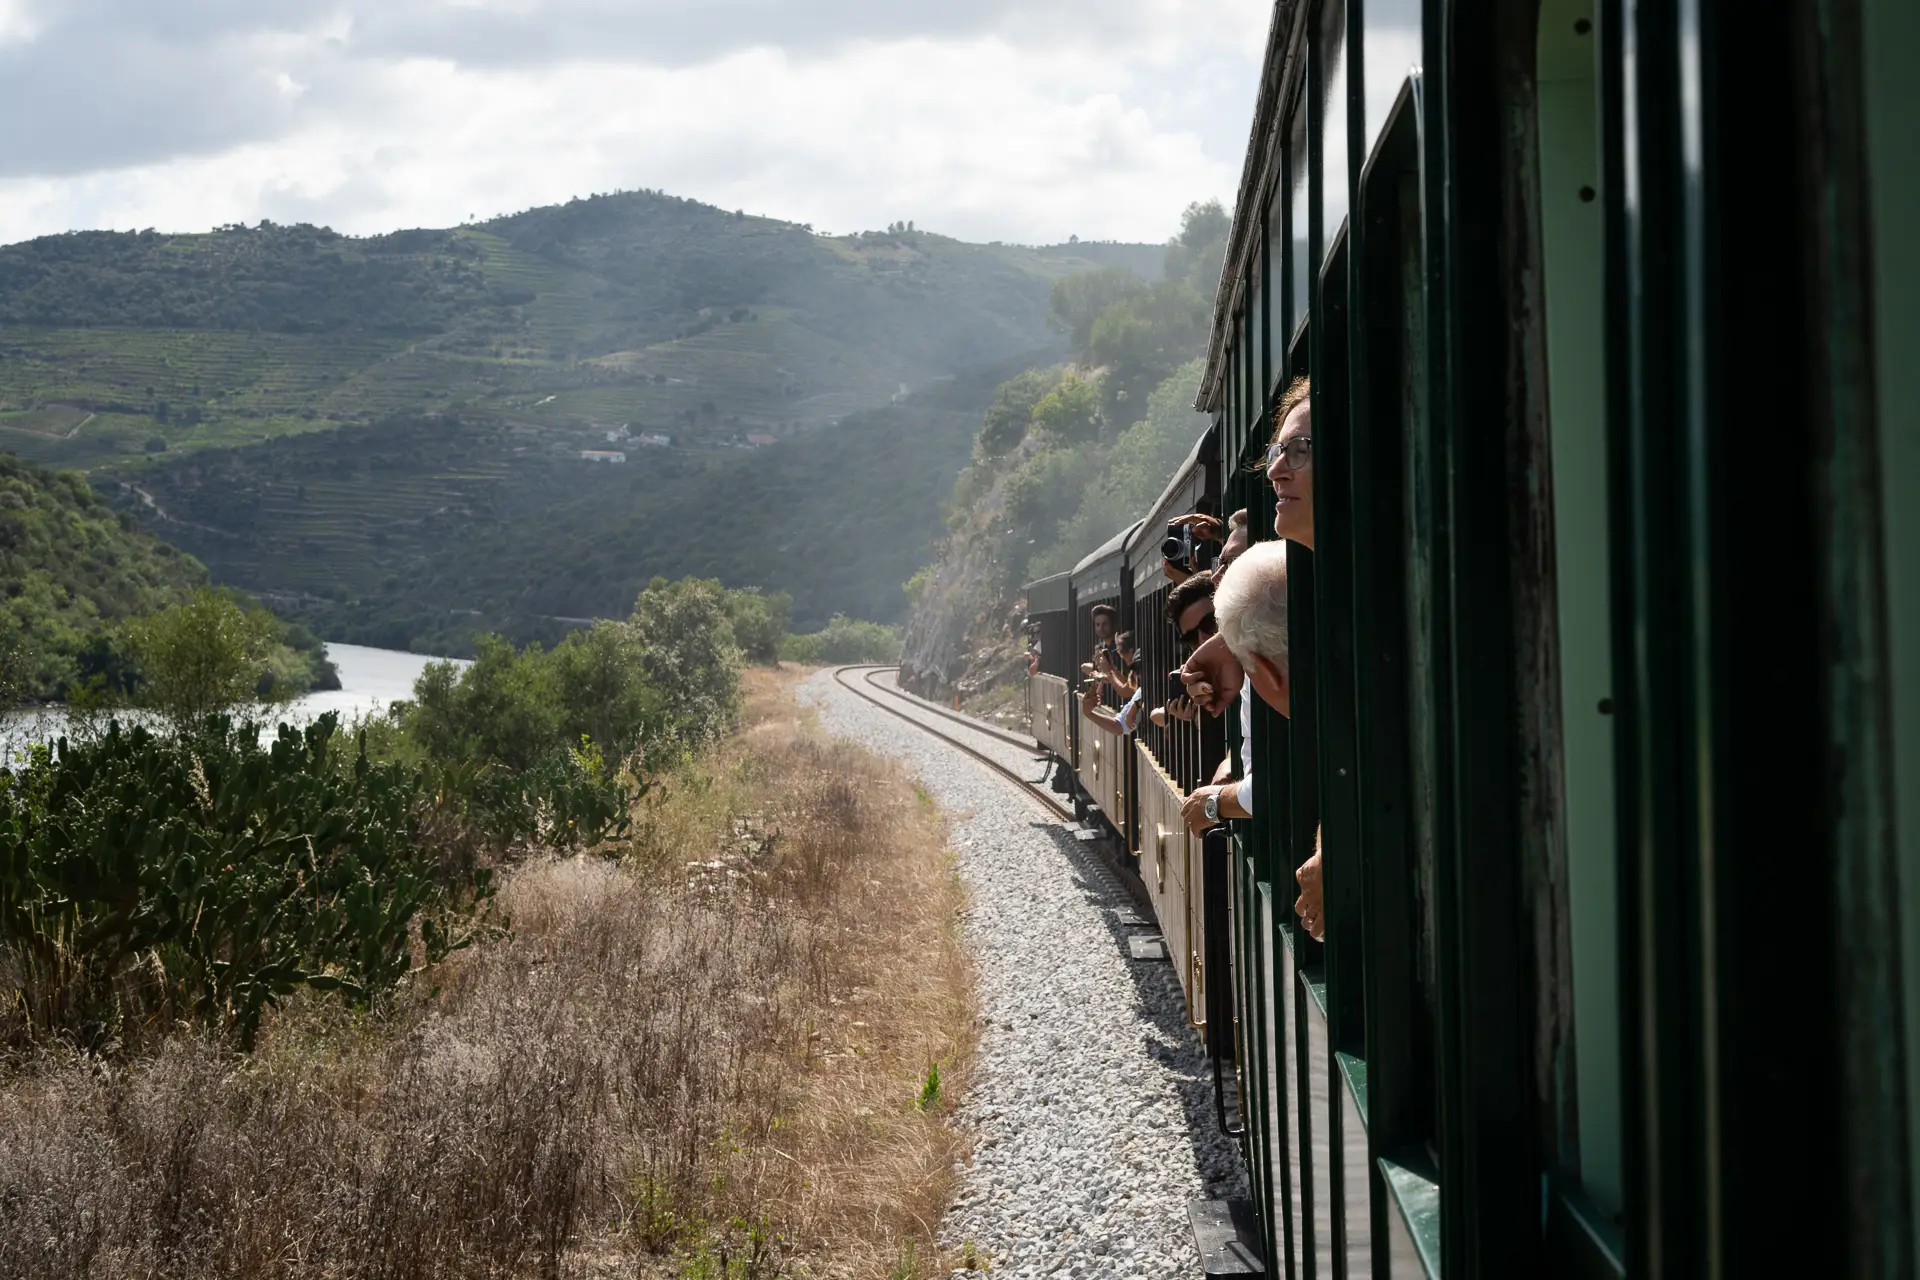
(146, 879)
(759, 623)
(845, 640)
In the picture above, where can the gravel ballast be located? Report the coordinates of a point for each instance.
(1091, 1111)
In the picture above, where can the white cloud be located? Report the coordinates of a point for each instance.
(1054, 119)
(18, 23)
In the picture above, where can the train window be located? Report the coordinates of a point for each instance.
(1573, 237)
(1389, 49)
(1275, 291)
(1330, 121)
(1257, 329)
(1299, 273)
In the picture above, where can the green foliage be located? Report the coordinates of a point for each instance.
(1039, 494)
(1069, 414)
(299, 279)
(73, 570)
(147, 878)
(929, 1099)
(1011, 413)
(396, 534)
(203, 657)
(1134, 475)
(759, 622)
(690, 656)
(915, 587)
(1078, 302)
(634, 308)
(844, 640)
(556, 745)
(1198, 254)
(1097, 448)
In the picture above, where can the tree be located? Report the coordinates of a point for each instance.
(1197, 255)
(200, 658)
(1006, 421)
(1077, 301)
(759, 623)
(600, 688)
(691, 655)
(1070, 413)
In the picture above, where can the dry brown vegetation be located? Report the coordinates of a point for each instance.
(709, 1058)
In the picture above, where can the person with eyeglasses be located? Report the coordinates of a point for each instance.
(1190, 609)
(1290, 464)
(1290, 472)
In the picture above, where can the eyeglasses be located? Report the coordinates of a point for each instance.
(1298, 451)
(1203, 630)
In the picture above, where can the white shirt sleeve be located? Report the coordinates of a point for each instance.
(1244, 792)
(1130, 714)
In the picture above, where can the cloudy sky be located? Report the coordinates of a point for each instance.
(1027, 120)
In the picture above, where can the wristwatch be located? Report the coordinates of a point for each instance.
(1212, 808)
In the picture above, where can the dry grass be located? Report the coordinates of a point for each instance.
(712, 1070)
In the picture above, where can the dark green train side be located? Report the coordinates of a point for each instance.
(1606, 665)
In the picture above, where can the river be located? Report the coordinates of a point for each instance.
(369, 680)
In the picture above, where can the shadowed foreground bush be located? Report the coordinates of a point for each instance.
(146, 880)
(706, 1059)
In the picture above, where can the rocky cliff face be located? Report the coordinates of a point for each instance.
(964, 635)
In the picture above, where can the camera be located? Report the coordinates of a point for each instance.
(1181, 550)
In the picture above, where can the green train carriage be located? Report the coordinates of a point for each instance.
(1606, 665)
(1601, 700)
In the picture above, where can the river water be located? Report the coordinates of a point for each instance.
(369, 680)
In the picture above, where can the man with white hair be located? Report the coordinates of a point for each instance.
(1250, 608)
(1253, 659)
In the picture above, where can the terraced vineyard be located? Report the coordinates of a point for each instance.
(641, 310)
(386, 433)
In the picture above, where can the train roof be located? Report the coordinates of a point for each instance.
(1188, 486)
(1099, 574)
(1050, 594)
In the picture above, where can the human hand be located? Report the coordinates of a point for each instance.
(1309, 906)
(1179, 707)
(1212, 676)
(1205, 528)
(1193, 810)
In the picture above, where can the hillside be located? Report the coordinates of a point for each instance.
(72, 567)
(637, 311)
(1066, 457)
(420, 532)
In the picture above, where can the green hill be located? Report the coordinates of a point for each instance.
(383, 436)
(638, 310)
(71, 567)
(420, 532)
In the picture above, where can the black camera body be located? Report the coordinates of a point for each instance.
(1182, 551)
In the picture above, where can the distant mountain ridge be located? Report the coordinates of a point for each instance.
(638, 311)
(384, 435)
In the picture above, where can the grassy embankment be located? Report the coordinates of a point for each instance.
(708, 1057)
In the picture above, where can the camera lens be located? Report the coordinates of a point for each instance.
(1173, 549)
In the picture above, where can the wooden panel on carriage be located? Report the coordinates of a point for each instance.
(1170, 868)
(1050, 703)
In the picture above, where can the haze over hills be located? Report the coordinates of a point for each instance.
(340, 424)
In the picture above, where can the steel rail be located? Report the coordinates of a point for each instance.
(1027, 743)
(1036, 789)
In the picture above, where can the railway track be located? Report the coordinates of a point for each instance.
(866, 690)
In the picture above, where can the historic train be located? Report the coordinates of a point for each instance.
(1605, 664)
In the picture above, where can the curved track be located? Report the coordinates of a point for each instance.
(864, 689)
